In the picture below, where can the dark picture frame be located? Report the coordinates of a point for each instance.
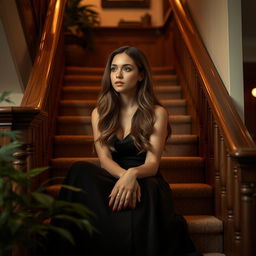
(125, 3)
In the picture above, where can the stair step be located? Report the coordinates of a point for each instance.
(80, 125)
(182, 169)
(206, 233)
(92, 92)
(78, 70)
(193, 198)
(175, 106)
(76, 107)
(82, 145)
(84, 107)
(85, 80)
(173, 169)
(82, 80)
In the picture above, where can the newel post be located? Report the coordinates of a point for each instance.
(19, 119)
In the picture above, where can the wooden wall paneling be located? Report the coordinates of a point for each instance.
(150, 40)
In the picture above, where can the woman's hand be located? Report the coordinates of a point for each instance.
(126, 192)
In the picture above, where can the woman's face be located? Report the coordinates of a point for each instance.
(124, 74)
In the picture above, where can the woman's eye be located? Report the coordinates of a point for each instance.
(113, 69)
(127, 69)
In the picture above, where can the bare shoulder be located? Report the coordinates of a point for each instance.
(94, 117)
(160, 112)
(95, 113)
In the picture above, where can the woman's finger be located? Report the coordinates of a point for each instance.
(127, 199)
(121, 201)
(112, 197)
(139, 193)
(116, 200)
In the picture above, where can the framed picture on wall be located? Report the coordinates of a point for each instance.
(125, 3)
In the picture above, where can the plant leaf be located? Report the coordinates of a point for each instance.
(35, 172)
(45, 200)
(62, 232)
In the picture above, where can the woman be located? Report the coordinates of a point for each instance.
(133, 204)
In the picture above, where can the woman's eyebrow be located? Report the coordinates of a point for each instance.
(122, 65)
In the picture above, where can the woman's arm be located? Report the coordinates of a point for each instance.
(127, 186)
(157, 141)
(126, 191)
(103, 152)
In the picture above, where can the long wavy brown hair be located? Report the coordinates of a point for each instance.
(108, 104)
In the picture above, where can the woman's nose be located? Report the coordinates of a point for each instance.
(119, 73)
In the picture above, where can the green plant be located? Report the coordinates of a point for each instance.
(25, 213)
(79, 20)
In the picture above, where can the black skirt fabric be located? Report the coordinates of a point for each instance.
(151, 229)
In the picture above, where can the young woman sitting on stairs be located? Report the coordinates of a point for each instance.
(132, 202)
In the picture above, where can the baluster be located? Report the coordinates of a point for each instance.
(223, 178)
(20, 164)
(247, 218)
(229, 231)
(217, 170)
(237, 214)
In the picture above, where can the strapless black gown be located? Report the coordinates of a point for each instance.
(151, 229)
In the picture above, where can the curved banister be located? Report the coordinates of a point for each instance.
(36, 90)
(239, 142)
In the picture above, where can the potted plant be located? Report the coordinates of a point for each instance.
(79, 20)
(25, 213)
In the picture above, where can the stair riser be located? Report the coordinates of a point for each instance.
(82, 128)
(171, 176)
(82, 82)
(88, 95)
(208, 243)
(85, 81)
(99, 72)
(85, 149)
(178, 175)
(193, 206)
(84, 110)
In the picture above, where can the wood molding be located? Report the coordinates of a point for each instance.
(221, 104)
(37, 88)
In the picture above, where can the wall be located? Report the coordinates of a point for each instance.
(15, 62)
(111, 17)
(249, 31)
(219, 23)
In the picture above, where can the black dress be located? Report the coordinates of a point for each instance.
(151, 229)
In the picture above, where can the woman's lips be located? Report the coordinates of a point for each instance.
(119, 83)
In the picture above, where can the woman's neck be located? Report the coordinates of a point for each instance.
(128, 101)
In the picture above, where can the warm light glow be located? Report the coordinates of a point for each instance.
(254, 92)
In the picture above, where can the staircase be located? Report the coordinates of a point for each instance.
(181, 164)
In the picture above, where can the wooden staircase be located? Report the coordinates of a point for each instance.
(181, 164)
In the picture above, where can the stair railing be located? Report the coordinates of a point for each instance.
(225, 143)
(35, 118)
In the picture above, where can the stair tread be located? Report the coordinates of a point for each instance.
(93, 102)
(179, 159)
(73, 118)
(86, 76)
(201, 190)
(175, 138)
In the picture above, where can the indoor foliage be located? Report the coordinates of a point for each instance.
(25, 213)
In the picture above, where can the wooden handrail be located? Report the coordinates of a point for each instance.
(224, 141)
(239, 142)
(36, 117)
(36, 91)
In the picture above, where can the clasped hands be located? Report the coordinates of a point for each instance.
(126, 192)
